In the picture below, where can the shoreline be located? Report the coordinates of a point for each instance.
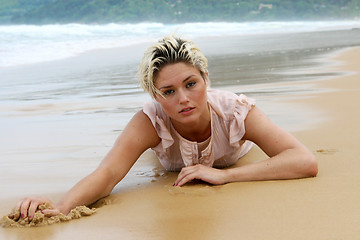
(231, 45)
(146, 205)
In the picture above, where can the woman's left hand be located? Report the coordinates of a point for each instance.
(208, 174)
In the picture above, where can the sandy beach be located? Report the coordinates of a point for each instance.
(147, 206)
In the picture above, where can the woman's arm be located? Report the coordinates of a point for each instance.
(288, 158)
(138, 136)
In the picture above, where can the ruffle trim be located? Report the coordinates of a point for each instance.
(162, 128)
(242, 107)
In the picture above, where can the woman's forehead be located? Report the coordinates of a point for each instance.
(176, 72)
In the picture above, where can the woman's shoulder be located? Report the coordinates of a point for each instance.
(227, 103)
(153, 109)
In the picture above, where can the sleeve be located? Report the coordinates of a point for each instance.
(162, 129)
(242, 107)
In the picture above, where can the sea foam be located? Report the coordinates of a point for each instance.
(27, 44)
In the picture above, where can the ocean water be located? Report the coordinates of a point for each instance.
(27, 44)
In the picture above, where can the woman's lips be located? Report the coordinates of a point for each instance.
(185, 110)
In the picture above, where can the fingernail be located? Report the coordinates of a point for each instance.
(22, 216)
(30, 217)
(42, 212)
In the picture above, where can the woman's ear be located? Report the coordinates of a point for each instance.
(207, 80)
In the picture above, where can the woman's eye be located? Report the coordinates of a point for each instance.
(190, 84)
(168, 92)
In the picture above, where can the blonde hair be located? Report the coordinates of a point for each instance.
(169, 50)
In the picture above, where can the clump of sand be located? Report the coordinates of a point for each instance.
(40, 219)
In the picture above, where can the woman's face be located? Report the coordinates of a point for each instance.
(185, 94)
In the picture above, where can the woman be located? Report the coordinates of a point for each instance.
(192, 129)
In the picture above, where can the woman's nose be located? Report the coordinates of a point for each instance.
(183, 97)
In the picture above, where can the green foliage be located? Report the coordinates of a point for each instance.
(172, 11)
(9, 9)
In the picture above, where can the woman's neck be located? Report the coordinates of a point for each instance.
(197, 132)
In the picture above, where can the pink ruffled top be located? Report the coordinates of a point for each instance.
(225, 145)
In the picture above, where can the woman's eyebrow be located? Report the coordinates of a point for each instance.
(169, 86)
(189, 77)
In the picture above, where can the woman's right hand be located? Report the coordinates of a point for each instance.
(28, 206)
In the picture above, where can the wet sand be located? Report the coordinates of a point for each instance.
(146, 205)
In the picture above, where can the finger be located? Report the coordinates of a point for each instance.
(189, 176)
(187, 179)
(50, 212)
(18, 208)
(32, 208)
(15, 215)
(24, 208)
(12, 215)
(183, 173)
(190, 170)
